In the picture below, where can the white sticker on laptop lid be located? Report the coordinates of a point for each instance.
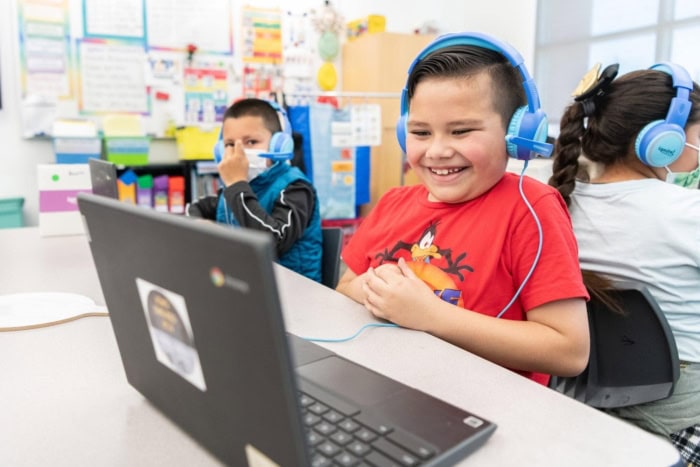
(171, 331)
(257, 458)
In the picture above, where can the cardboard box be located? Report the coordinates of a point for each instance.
(59, 185)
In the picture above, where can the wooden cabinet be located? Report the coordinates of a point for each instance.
(378, 63)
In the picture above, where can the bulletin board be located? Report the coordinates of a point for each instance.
(161, 59)
(174, 62)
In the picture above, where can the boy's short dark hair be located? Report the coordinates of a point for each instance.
(461, 61)
(252, 107)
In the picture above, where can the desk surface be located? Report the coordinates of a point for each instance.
(66, 400)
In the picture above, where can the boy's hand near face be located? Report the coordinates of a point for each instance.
(234, 165)
(393, 292)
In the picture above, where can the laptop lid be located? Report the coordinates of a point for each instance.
(198, 333)
(103, 176)
(196, 314)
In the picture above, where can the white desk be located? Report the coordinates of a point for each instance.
(65, 399)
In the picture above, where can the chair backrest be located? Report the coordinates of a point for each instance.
(633, 355)
(332, 245)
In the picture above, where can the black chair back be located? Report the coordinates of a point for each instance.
(633, 354)
(332, 246)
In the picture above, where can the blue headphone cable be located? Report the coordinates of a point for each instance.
(505, 308)
(539, 245)
(357, 333)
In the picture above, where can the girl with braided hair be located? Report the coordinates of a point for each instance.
(635, 209)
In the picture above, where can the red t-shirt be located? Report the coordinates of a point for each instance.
(477, 254)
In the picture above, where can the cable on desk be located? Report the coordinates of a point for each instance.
(52, 323)
(359, 331)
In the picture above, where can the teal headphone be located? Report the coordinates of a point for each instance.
(281, 146)
(527, 131)
(661, 142)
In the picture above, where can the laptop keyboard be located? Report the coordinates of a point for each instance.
(339, 434)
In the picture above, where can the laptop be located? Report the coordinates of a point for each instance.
(198, 322)
(103, 175)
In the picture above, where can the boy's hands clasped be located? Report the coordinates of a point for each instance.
(234, 165)
(393, 292)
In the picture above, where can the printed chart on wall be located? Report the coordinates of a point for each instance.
(262, 51)
(45, 59)
(205, 95)
(111, 77)
(191, 88)
(110, 58)
(333, 161)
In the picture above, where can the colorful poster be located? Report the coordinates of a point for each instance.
(262, 35)
(333, 161)
(44, 49)
(206, 95)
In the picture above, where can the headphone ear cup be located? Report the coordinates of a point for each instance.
(531, 128)
(281, 143)
(401, 132)
(219, 151)
(514, 130)
(659, 144)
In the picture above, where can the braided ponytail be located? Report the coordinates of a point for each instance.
(567, 149)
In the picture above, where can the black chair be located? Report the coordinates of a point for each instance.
(330, 262)
(633, 355)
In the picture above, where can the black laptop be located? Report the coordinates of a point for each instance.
(197, 318)
(103, 176)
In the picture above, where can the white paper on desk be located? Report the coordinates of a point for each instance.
(25, 310)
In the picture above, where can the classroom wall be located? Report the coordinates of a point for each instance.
(19, 156)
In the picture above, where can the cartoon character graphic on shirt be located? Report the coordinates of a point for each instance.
(432, 264)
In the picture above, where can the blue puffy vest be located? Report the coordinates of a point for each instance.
(304, 256)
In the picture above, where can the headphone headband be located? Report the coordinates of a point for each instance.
(281, 146)
(282, 115)
(679, 109)
(485, 42)
(527, 129)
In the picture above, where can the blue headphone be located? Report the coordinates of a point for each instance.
(281, 144)
(527, 130)
(661, 142)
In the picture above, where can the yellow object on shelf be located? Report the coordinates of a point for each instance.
(194, 143)
(367, 25)
(119, 125)
(327, 77)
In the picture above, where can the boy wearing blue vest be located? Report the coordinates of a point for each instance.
(261, 190)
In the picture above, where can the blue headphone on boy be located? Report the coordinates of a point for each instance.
(527, 130)
(661, 142)
(281, 144)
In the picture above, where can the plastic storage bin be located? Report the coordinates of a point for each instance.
(193, 143)
(11, 213)
(75, 150)
(127, 150)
